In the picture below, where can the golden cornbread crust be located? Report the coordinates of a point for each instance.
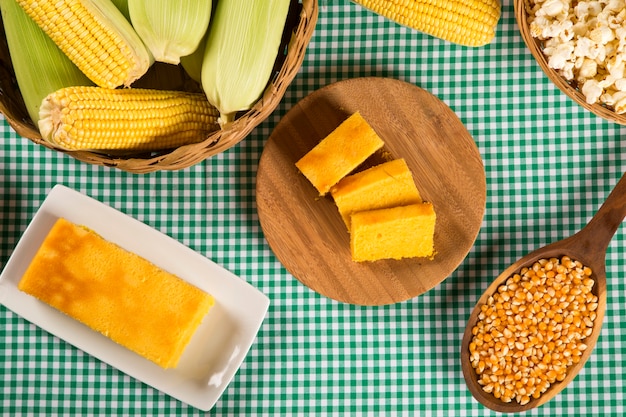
(393, 233)
(116, 293)
(342, 151)
(382, 186)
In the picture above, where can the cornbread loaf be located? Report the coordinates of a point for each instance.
(393, 233)
(339, 153)
(115, 292)
(386, 185)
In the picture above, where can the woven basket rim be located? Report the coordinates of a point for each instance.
(534, 46)
(301, 22)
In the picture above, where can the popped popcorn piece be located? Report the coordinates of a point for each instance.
(559, 55)
(615, 66)
(620, 106)
(587, 9)
(587, 69)
(553, 8)
(618, 101)
(615, 5)
(602, 35)
(620, 84)
(592, 91)
(567, 71)
(585, 42)
(586, 48)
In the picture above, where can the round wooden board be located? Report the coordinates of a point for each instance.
(306, 232)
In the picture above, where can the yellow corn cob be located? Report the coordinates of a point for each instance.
(95, 118)
(170, 29)
(40, 67)
(96, 36)
(465, 22)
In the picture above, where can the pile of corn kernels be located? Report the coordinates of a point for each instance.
(585, 42)
(533, 328)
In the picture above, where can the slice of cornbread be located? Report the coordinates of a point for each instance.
(389, 184)
(116, 293)
(339, 153)
(393, 233)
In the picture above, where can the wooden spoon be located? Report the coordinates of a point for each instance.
(589, 247)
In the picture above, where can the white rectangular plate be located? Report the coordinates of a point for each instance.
(218, 347)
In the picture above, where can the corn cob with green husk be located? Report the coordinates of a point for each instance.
(465, 22)
(170, 28)
(40, 66)
(242, 46)
(129, 119)
(96, 36)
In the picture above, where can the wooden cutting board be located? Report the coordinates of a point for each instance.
(306, 232)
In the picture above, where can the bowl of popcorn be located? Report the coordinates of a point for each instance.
(581, 46)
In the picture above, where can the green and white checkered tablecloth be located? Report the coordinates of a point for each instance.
(549, 165)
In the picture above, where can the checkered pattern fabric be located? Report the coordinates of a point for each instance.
(549, 165)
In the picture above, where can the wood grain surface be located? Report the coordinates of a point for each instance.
(306, 232)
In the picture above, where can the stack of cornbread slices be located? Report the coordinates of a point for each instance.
(381, 205)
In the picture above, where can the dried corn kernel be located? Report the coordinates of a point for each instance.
(540, 336)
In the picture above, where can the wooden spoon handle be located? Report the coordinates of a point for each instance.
(601, 228)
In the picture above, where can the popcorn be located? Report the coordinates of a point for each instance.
(617, 100)
(620, 84)
(592, 90)
(616, 6)
(615, 66)
(588, 69)
(553, 8)
(586, 48)
(585, 42)
(602, 35)
(559, 56)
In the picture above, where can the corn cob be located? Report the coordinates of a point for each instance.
(96, 36)
(40, 67)
(464, 22)
(242, 46)
(170, 28)
(95, 118)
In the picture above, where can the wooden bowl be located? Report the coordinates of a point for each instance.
(536, 49)
(298, 31)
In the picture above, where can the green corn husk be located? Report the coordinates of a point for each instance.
(192, 64)
(122, 6)
(170, 29)
(241, 49)
(40, 66)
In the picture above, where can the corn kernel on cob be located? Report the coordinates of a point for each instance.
(465, 22)
(95, 118)
(96, 36)
(35, 57)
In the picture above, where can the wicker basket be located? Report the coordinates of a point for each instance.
(299, 29)
(570, 89)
